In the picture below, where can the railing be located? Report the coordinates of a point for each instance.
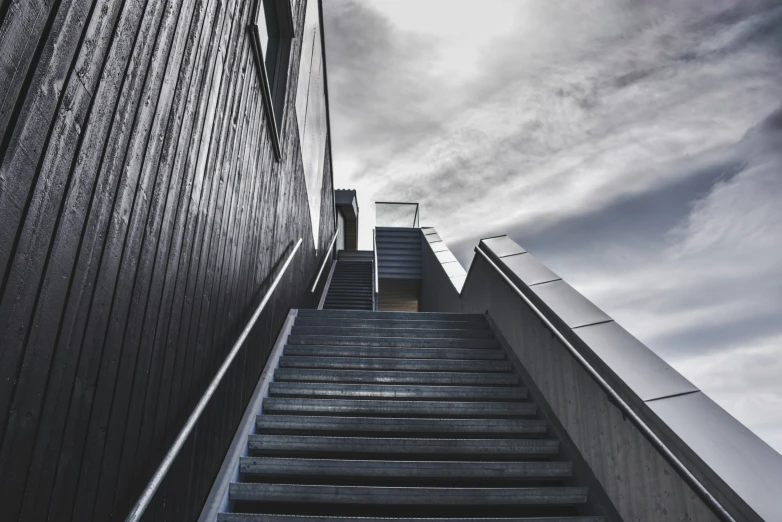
(325, 258)
(396, 214)
(645, 430)
(157, 478)
(375, 282)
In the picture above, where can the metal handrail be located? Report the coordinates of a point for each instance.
(157, 478)
(325, 258)
(693, 482)
(374, 251)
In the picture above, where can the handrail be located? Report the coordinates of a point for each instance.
(157, 478)
(325, 258)
(693, 482)
(374, 252)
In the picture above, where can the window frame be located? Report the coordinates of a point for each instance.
(274, 85)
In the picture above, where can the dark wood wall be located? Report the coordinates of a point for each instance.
(142, 217)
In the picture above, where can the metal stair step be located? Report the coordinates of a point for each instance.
(284, 468)
(402, 255)
(400, 263)
(471, 449)
(411, 427)
(394, 377)
(421, 365)
(378, 495)
(385, 272)
(414, 316)
(390, 323)
(418, 333)
(348, 307)
(395, 353)
(395, 391)
(342, 296)
(392, 341)
(395, 408)
(253, 517)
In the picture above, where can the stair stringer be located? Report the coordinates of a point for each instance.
(327, 285)
(217, 500)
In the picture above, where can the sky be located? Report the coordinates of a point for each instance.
(633, 146)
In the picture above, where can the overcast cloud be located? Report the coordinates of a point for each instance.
(633, 146)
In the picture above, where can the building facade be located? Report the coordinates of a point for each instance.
(159, 161)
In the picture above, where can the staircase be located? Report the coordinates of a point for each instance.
(399, 416)
(351, 284)
(399, 266)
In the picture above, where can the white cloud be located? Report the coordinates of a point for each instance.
(531, 115)
(744, 381)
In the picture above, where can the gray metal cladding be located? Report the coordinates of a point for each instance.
(741, 469)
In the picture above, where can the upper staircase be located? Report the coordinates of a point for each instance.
(399, 266)
(399, 416)
(351, 285)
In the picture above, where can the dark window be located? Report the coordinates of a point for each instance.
(272, 34)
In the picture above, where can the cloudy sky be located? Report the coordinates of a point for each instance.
(634, 146)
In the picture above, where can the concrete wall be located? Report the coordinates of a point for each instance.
(737, 468)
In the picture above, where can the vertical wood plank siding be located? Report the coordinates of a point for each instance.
(142, 218)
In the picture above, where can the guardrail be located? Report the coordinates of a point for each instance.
(325, 258)
(157, 478)
(645, 430)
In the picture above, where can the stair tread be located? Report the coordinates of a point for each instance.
(380, 376)
(323, 445)
(290, 361)
(418, 316)
(394, 353)
(399, 425)
(417, 333)
(406, 391)
(305, 493)
(286, 466)
(252, 517)
(390, 323)
(392, 341)
(380, 407)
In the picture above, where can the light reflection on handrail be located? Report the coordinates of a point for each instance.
(157, 478)
(325, 258)
(693, 482)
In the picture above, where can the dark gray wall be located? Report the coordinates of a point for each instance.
(142, 216)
